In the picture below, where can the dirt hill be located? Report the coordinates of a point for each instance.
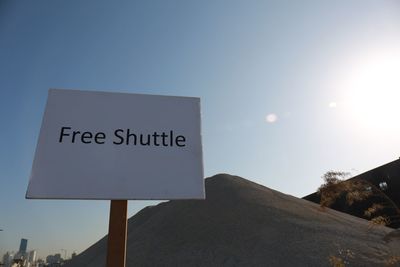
(242, 223)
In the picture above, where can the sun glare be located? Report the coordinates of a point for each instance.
(372, 91)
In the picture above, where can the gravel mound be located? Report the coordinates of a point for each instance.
(242, 223)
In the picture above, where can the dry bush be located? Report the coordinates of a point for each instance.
(332, 188)
(378, 221)
(343, 258)
(335, 186)
(393, 261)
(373, 210)
(336, 261)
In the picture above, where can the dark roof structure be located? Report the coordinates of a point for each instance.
(386, 178)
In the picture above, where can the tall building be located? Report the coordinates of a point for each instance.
(23, 246)
(7, 259)
(32, 256)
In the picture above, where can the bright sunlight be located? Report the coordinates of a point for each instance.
(372, 91)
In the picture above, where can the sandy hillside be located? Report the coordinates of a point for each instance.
(245, 224)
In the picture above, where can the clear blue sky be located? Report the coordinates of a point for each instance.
(289, 90)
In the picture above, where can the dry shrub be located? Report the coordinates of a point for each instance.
(379, 221)
(344, 257)
(332, 188)
(392, 261)
(335, 186)
(373, 210)
(336, 261)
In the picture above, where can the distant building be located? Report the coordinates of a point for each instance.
(54, 260)
(32, 256)
(40, 263)
(386, 178)
(23, 245)
(8, 259)
(24, 259)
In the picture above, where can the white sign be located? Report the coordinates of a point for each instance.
(100, 145)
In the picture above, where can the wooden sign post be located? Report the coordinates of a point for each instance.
(117, 231)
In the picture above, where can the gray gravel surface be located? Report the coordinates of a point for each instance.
(242, 223)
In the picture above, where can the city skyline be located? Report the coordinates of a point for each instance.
(289, 91)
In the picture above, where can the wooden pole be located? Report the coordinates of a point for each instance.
(117, 231)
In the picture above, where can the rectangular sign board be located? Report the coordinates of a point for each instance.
(101, 145)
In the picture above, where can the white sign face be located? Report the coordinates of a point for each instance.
(99, 145)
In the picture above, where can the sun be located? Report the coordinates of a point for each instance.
(371, 91)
